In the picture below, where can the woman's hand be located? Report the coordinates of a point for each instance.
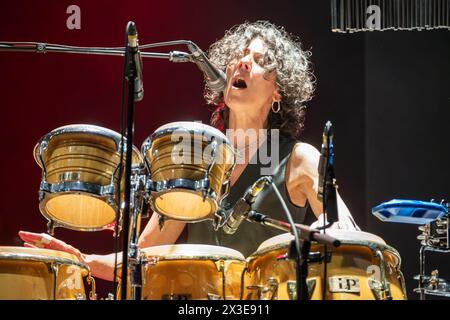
(43, 240)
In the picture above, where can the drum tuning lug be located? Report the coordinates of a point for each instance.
(212, 296)
(441, 223)
(292, 288)
(435, 241)
(41, 195)
(79, 296)
(110, 297)
(422, 237)
(434, 279)
(51, 228)
(161, 222)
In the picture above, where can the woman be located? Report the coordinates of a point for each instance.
(269, 80)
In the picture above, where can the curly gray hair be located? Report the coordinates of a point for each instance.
(294, 78)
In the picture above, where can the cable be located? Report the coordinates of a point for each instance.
(294, 232)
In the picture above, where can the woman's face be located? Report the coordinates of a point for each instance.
(249, 87)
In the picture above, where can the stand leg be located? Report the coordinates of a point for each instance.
(422, 272)
(304, 292)
(301, 264)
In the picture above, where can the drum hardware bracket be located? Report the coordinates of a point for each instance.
(291, 287)
(92, 294)
(220, 218)
(51, 227)
(42, 147)
(212, 296)
(431, 285)
(262, 290)
(54, 269)
(379, 289)
(161, 222)
(79, 296)
(150, 260)
(207, 191)
(435, 237)
(383, 290)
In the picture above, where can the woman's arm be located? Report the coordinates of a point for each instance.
(302, 181)
(102, 266)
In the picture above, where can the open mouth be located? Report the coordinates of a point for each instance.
(239, 83)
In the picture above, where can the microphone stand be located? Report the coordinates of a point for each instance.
(305, 233)
(37, 47)
(131, 257)
(329, 201)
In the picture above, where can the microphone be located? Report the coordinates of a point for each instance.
(327, 138)
(215, 78)
(133, 47)
(244, 205)
(327, 186)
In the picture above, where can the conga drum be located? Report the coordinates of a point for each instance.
(191, 272)
(364, 267)
(42, 274)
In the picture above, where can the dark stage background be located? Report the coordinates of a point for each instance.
(387, 94)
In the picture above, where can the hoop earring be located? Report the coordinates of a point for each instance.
(278, 106)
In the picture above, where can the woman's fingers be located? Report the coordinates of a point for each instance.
(29, 245)
(42, 240)
(39, 240)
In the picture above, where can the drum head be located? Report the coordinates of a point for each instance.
(184, 205)
(341, 234)
(80, 211)
(192, 127)
(38, 254)
(194, 252)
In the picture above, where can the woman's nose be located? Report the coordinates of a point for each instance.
(245, 64)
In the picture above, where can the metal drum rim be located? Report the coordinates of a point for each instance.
(84, 128)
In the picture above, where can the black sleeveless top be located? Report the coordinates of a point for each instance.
(250, 235)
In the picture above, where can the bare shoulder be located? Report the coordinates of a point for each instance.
(303, 164)
(302, 172)
(305, 154)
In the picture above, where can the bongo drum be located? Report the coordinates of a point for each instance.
(189, 167)
(79, 184)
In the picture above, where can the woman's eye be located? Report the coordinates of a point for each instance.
(259, 59)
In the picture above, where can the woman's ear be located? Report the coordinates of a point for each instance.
(276, 96)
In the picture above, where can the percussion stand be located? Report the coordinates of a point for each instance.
(301, 269)
(130, 253)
